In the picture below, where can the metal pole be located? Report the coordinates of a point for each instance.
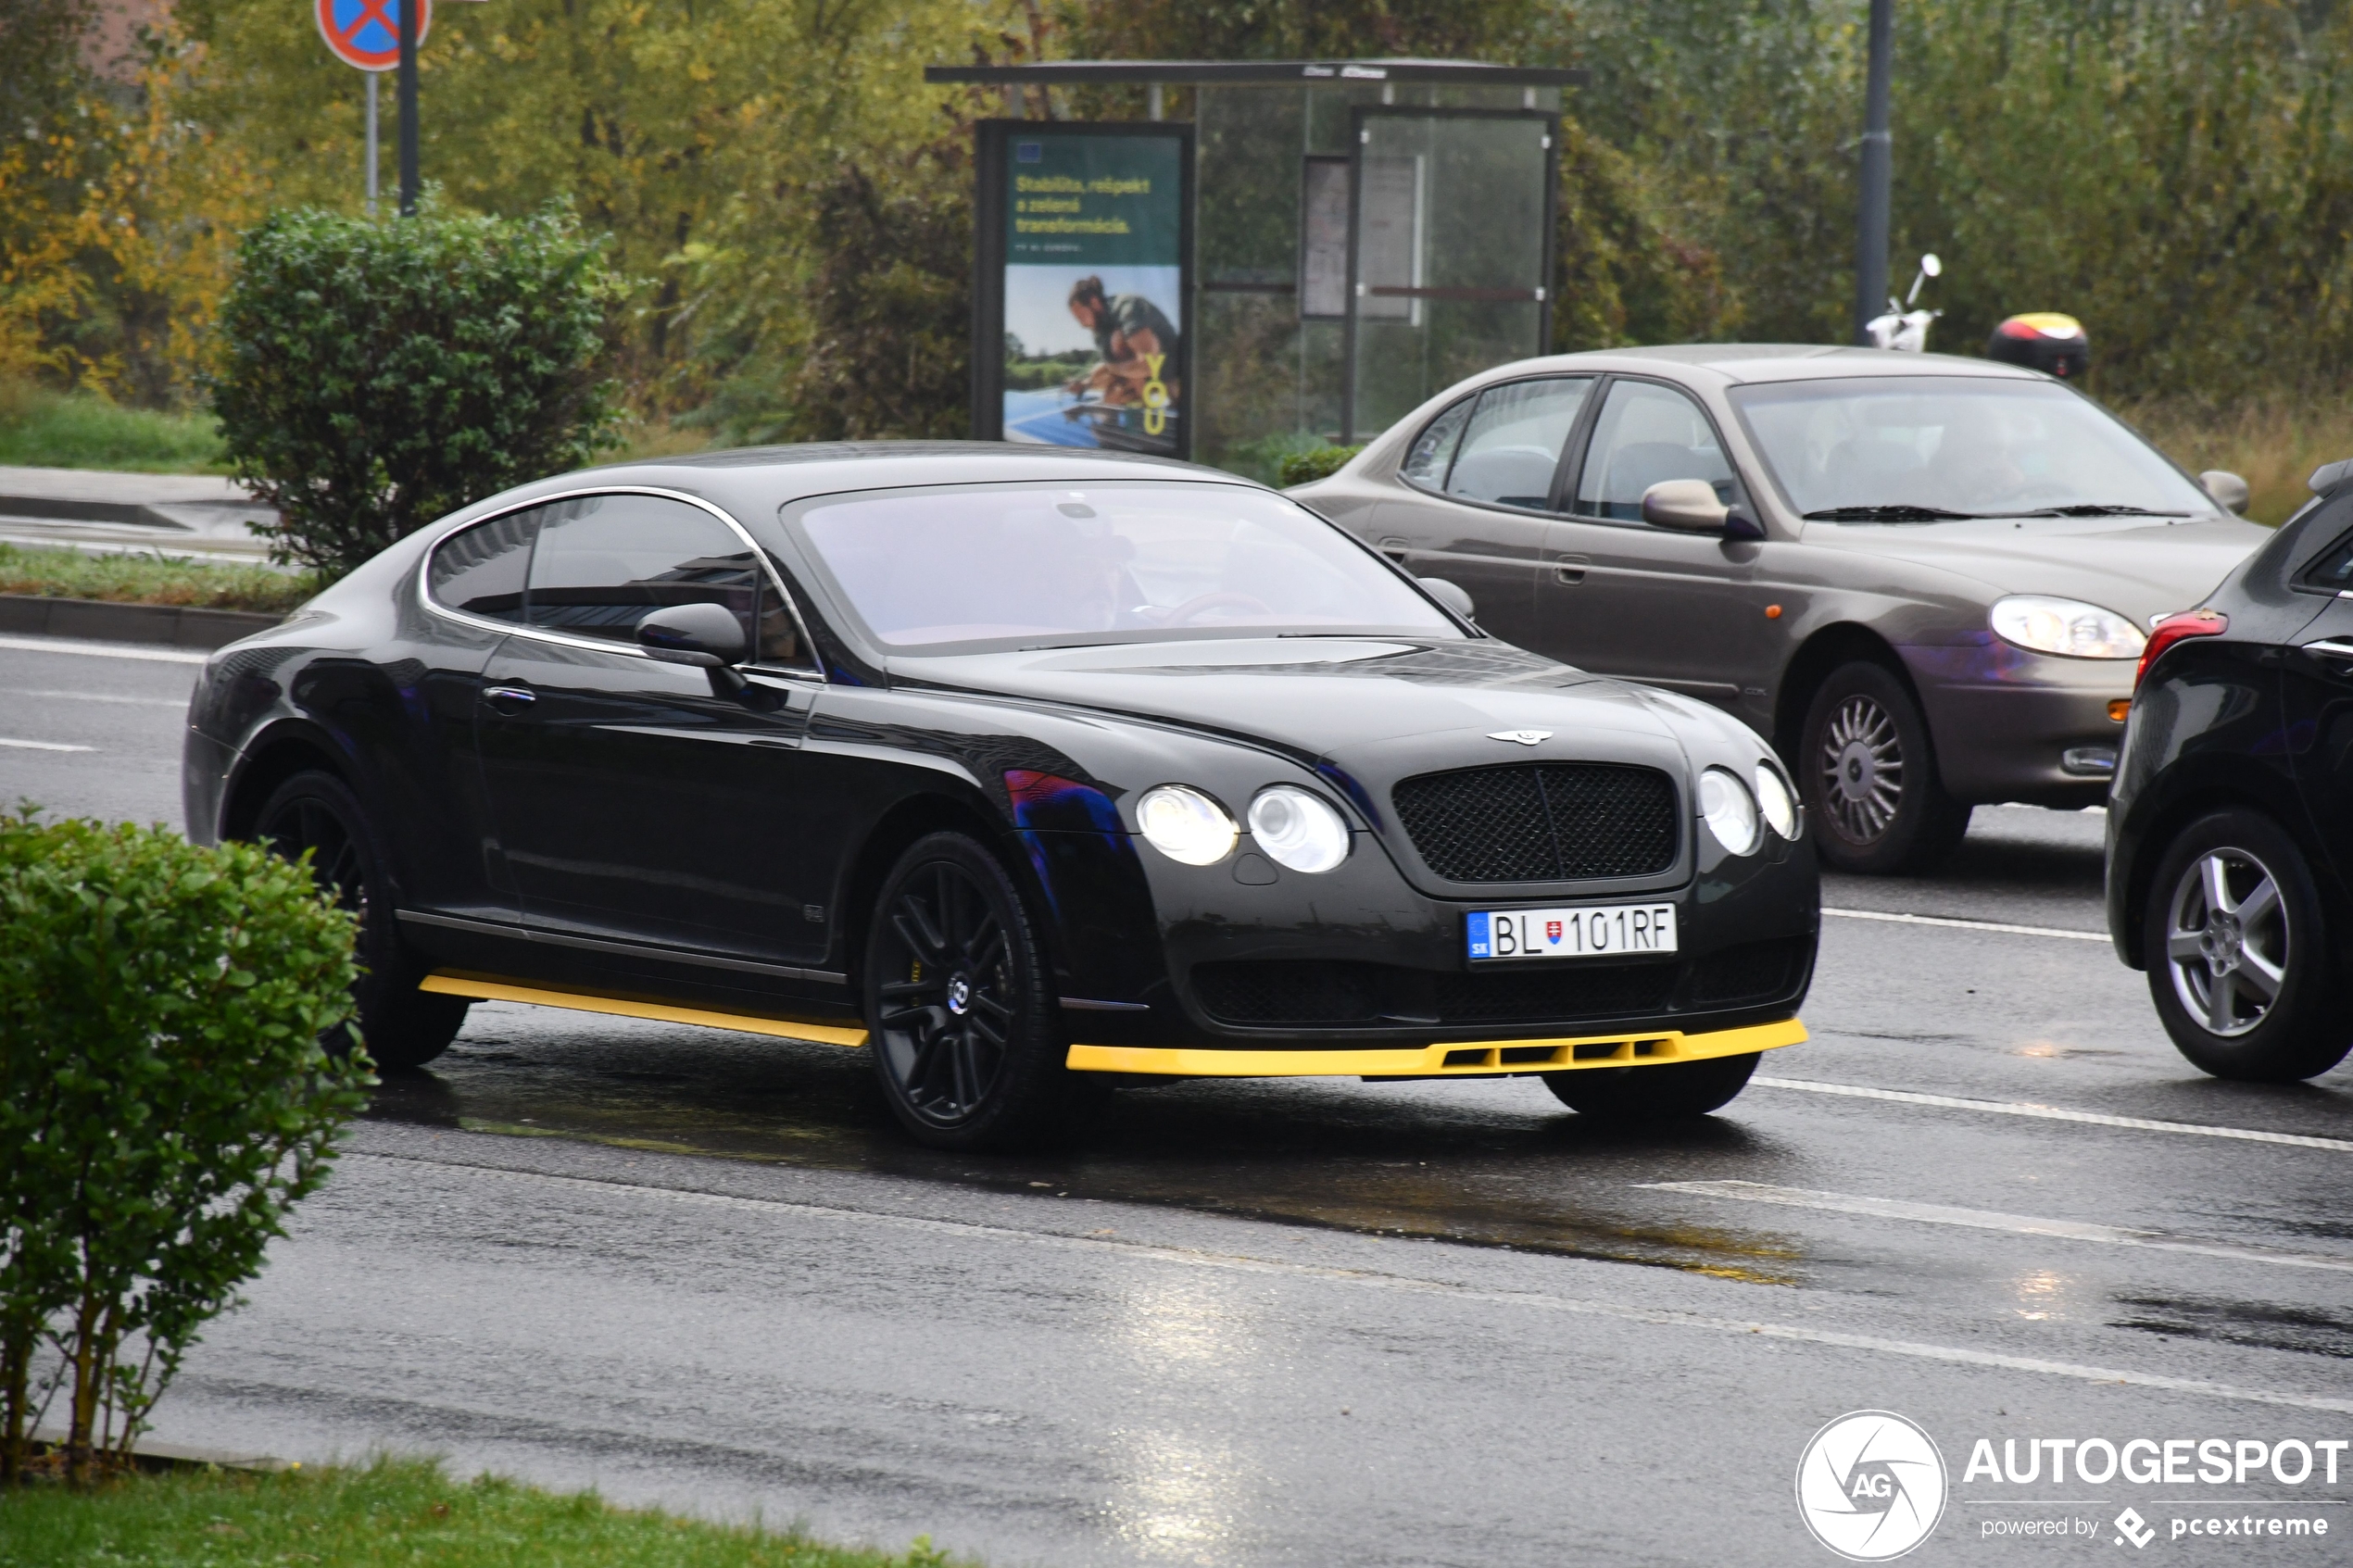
(1158, 105)
(372, 143)
(1878, 173)
(408, 108)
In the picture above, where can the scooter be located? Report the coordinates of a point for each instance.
(1904, 327)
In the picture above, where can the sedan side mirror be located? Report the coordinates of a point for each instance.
(707, 637)
(1451, 595)
(1688, 506)
(2230, 492)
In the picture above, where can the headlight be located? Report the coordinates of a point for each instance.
(1773, 797)
(1185, 824)
(2066, 626)
(1730, 813)
(1298, 829)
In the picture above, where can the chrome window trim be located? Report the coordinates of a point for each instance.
(424, 579)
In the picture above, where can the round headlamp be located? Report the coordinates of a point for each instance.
(1729, 809)
(1298, 829)
(1185, 825)
(1773, 799)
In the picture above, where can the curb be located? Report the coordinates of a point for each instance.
(175, 1456)
(180, 626)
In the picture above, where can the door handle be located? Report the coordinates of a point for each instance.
(1395, 549)
(2330, 648)
(498, 696)
(1568, 574)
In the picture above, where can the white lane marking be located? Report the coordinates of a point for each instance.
(171, 702)
(1895, 919)
(44, 745)
(1989, 1219)
(2056, 1113)
(104, 650)
(1658, 1316)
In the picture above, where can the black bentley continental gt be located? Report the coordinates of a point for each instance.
(1026, 771)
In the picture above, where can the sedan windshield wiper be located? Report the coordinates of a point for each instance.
(2092, 508)
(1902, 512)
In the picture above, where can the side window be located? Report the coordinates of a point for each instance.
(482, 569)
(1647, 434)
(2334, 570)
(1426, 462)
(1512, 446)
(604, 562)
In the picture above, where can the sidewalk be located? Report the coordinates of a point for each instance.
(180, 514)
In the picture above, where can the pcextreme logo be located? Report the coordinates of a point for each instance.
(1870, 1485)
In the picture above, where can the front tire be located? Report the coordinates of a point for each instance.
(1667, 1093)
(1868, 772)
(963, 1021)
(400, 1026)
(2238, 948)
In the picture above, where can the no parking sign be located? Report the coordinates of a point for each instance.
(365, 34)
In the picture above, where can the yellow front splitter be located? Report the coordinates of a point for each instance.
(1464, 1058)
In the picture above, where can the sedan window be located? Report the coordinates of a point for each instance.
(1513, 445)
(604, 562)
(480, 569)
(1433, 453)
(1102, 562)
(1646, 434)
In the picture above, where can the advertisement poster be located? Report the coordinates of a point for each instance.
(1089, 253)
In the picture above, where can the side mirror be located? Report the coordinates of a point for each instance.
(1688, 506)
(1451, 595)
(707, 636)
(2228, 489)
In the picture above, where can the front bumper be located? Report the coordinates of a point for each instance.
(1474, 1059)
(2005, 721)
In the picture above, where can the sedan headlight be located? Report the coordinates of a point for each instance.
(1729, 811)
(1298, 829)
(1773, 799)
(1185, 825)
(2068, 627)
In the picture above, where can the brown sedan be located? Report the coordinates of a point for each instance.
(1925, 578)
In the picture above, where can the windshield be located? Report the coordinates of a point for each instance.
(1117, 563)
(1914, 448)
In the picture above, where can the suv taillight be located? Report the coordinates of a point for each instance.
(2172, 629)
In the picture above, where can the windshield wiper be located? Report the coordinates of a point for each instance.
(1903, 512)
(2092, 508)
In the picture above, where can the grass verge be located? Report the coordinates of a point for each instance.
(2274, 442)
(150, 580)
(393, 1512)
(80, 430)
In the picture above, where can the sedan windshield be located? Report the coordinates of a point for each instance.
(1111, 562)
(1926, 448)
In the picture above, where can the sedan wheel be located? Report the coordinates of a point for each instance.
(1866, 768)
(2235, 947)
(399, 1025)
(962, 1025)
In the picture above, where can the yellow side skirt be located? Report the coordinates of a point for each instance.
(1468, 1058)
(499, 991)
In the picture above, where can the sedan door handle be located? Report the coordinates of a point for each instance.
(2331, 648)
(500, 696)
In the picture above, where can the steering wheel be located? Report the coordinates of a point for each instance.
(1177, 615)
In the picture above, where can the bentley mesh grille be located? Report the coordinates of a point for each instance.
(1541, 821)
(1284, 992)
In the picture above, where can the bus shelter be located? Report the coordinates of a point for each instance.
(1360, 234)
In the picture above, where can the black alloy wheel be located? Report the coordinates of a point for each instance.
(963, 1024)
(2237, 945)
(1868, 772)
(400, 1026)
(1669, 1092)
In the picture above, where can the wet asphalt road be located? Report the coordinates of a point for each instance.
(1314, 1322)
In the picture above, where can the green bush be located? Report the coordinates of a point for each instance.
(1317, 462)
(376, 375)
(163, 1101)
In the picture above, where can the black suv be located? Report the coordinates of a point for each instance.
(2230, 830)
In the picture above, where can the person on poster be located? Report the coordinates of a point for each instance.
(1133, 337)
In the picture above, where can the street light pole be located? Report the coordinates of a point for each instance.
(1878, 173)
(409, 110)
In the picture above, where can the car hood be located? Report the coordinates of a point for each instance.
(1328, 697)
(2139, 567)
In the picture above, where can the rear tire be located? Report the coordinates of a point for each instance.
(398, 1025)
(1652, 1093)
(2238, 948)
(1869, 773)
(965, 1027)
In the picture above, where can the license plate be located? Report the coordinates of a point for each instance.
(1605, 930)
